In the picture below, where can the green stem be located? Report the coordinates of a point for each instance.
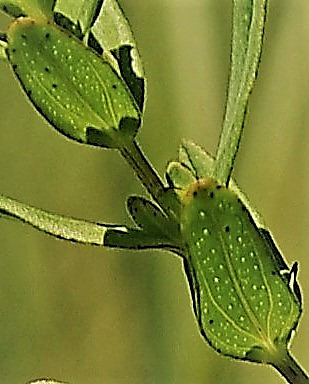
(143, 170)
(290, 369)
(247, 41)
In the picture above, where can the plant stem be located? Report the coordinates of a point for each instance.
(290, 369)
(143, 170)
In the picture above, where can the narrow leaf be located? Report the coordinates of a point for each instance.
(113, 32)
(247, 39)
(83, 231)
(60, 226)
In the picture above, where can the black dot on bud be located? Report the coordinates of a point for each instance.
(227, 229)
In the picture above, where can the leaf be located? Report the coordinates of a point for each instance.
(132, 238)
(196, 158)
(247, 40)
(103, 26)
(178, 176)
(60, 226)
(195, 163)
(75, 90)
(245, 307)
(86, 232)
(32, 8)
(80, 12)
(153, 222)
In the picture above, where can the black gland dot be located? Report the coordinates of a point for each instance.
(114, 86)
(211, 321)
(194, 193)
(46, 69)
(23, 36)
(218, 187)
(227, 229)
(47, 35)
(54, 85)
(211, 195)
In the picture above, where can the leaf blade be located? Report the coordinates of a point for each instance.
(75, 90)
(244, 303)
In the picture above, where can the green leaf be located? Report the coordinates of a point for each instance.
(75, 90)
(247, 40)
(179, 176)
(196, 158)
(194, 163)
(154, 223)
(60, 226)
(86, 232)
(80, 12)
(132, 238)
(103, 26)
(245, 305)
(32, 8)
(113, 32)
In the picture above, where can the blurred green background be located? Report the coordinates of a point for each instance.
(88, 315)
